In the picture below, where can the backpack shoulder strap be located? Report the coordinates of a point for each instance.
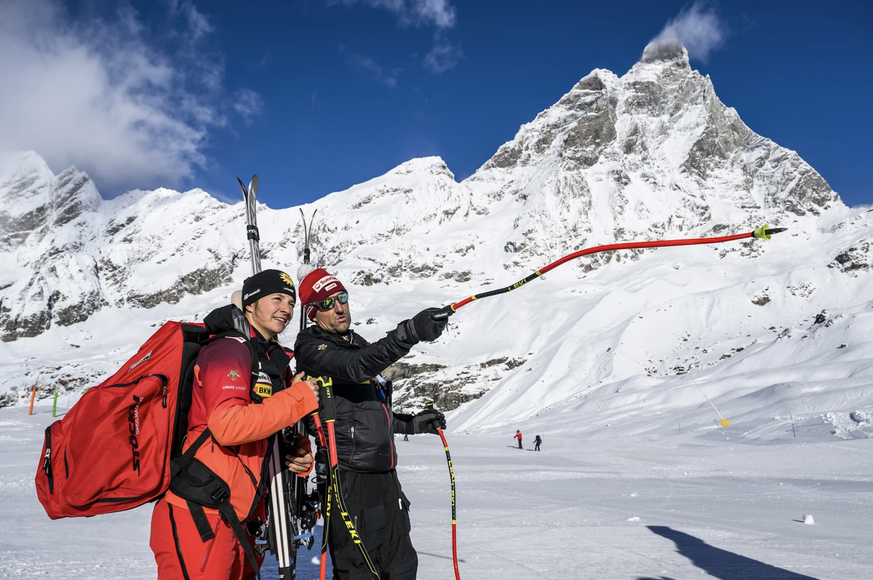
(256, 365)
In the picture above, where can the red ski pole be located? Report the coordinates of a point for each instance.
(454, 517)
(454, 513)
(762, 233)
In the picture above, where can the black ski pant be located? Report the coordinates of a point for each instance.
(380, 512)
(537, 446)
(519, 442)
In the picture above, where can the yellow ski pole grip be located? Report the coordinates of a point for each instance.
(766, 231)
(761, 233)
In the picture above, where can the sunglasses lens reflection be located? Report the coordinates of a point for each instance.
(328, 303)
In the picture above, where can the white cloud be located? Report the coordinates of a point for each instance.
(443, 55)
(198, 24)
(371, 68)
(249, 104)
(698, 28)
(438, 13)
(97, 95)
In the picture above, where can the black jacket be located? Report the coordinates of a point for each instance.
(365, 423)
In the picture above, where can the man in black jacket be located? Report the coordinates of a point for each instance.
(365, 426)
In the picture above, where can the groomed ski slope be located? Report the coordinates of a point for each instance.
(708, 502)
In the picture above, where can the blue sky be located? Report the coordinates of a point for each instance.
(318, 95)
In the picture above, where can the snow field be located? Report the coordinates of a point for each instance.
(710, 503)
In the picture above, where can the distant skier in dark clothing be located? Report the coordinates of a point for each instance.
(518, 436)
(537, 443)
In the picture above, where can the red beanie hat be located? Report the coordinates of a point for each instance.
(315, 287)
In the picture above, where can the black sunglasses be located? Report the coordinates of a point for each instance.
(328, 303)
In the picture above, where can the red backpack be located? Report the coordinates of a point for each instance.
(112, 451)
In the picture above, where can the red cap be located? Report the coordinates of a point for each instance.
(315, 287)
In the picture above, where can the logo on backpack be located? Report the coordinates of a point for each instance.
(133, 424)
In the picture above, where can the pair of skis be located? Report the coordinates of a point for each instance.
(291, 512)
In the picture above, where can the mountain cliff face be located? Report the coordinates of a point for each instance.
(652, 154)
(33, 204)
(75, 254)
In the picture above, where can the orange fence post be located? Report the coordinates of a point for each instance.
(32, 398)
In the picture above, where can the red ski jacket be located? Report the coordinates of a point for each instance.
(222, 401)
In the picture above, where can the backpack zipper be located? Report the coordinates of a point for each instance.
(47, 462)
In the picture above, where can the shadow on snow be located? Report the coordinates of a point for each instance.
(720, 563)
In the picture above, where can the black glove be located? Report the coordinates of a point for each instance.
(427, 325)
(427, 422)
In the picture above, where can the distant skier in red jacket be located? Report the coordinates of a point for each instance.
(518, 436)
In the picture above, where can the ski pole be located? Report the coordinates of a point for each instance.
(763, 233)
(325, 530)
(329, 412)
(454, 517)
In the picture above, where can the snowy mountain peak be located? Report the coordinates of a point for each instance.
(655, 151)
(33, 201)
(661, 51)
(25, 183)
(430, 165)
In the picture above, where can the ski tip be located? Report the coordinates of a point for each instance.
(253, 186)
(242, 186)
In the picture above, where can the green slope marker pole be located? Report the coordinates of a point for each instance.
(55, 404)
